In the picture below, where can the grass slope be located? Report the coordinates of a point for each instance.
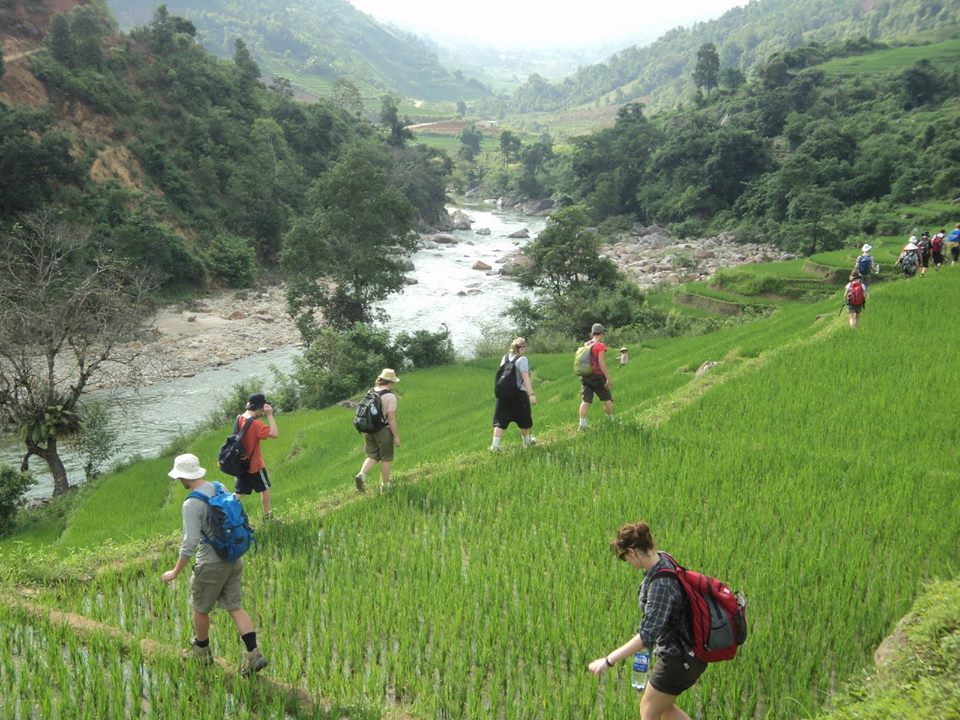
(809, 469)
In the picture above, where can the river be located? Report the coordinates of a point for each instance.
(148, 419)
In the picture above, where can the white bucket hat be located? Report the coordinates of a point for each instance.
(866, 248)
(187, 467)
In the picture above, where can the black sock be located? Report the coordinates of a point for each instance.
(250, 640)
(201, 643)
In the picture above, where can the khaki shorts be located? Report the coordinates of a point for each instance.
(379, 445)
(216, 584)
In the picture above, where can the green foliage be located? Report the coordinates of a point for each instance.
(424, 349)
(95, 441)
(565, 257)
(338, 363)
(232, 260)
(3, 63)
(13, 486)
(706, 74)
(354, 238)
(397, 131)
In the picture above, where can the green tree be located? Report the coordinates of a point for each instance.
(565, 257)
(346, 253)
(732, 79)
(707, 71)
(346, 96)
(13, 486)
(89, 26)
(396, 126)
(65, 304)
(62, 46)
(461, 108)
(247, 70)
(510, 146)
(470, 141)
(3, 64)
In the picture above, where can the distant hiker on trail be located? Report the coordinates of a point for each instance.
(923, 245)
(865, 265)
(936, 251)
(379, 443)
(514, 393)
(624, 358)
(255, 479)
(664, 630)
(598, 381)
(953, 241)
(855, 297)
(213, 581)
(909, 258)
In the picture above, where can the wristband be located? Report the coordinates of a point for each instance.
(607, 661)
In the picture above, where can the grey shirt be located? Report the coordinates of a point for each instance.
(195, 523)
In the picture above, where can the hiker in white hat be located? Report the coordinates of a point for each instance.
(865, 265)
(383, 436)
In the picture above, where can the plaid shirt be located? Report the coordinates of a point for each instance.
(661, 600)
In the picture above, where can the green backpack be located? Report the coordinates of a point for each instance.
(582, 362)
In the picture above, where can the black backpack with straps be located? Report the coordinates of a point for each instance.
(369, 417)
(505, 380)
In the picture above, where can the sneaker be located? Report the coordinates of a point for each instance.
(254, 662)
(203, 655)
(531, 442)
(495, 449)
(581, 428)
(361, 486)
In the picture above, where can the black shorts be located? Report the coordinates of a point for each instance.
(672, 674)
(515, 409)
(955, 253)
(594, 385)
(925, 259)
(938, 258)
(251, 482)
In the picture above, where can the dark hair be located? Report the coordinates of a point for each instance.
(633, 535)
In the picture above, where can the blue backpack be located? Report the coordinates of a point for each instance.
(232, 534)
(864, 265)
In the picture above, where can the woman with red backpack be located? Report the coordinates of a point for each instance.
(855, 297)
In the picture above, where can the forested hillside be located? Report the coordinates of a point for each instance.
(181, 162)
(821, 146)
(744, 37)
(326, 39)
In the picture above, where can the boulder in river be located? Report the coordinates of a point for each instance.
(523, 233)
(481, 265)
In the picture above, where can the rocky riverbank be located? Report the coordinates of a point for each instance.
(195, 335)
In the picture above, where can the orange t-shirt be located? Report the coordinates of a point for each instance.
(251, 442)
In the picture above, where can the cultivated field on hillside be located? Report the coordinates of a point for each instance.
(814, 468)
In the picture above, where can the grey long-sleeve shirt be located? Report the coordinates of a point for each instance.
(194, 523)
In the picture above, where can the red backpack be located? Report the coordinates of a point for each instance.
(937, 243)
(855, 295)
(718, 617)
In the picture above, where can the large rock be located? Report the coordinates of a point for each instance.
(444, 239)
(407, 265)
(514, 263)
(481, 265)
(524, 233)
(461, 221)
(483, 231)
(535, 207)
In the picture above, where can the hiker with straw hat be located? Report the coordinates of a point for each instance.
(379, 445)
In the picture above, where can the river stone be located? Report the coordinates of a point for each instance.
(407, 280)
(460, 220)
(483, 231)
(445, 239)
(481, 265)
(524, 233)
(237, 315)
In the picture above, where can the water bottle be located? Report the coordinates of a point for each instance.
(641, 663)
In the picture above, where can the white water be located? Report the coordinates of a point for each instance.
(147, 420)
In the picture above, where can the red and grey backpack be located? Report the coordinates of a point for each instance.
(718, 616)
(855, 296)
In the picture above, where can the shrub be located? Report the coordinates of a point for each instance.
(96, 442)
(423, 349)
(13, 485)
(232, 260)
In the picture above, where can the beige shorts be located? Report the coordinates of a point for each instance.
(217, 584)
(379, 445)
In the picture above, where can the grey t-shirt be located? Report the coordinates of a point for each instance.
(195, 523)
(520, 366)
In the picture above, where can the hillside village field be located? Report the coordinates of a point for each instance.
(814, 469)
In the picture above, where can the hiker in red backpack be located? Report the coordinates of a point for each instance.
(855, 298)
(665, 627)
(936, 251)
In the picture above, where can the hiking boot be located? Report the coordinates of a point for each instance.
(358, 480)
(203, 655)
(254, 662)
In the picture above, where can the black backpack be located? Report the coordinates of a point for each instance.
(232, 459)
(369, 417)
(505, 379)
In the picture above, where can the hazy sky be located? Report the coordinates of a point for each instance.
(540, 23)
